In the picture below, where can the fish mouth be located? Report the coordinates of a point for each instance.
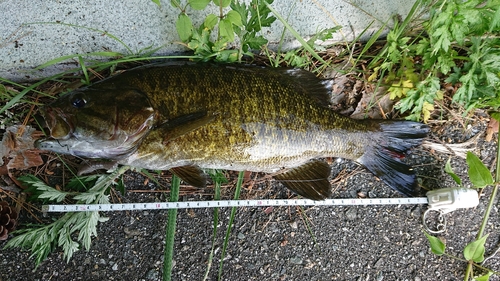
(59, 124)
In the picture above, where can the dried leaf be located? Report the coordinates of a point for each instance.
(18, 147)
(492, 128)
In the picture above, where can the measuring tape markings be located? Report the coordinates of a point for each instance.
(230, 203)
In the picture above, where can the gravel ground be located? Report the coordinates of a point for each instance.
(343, 243)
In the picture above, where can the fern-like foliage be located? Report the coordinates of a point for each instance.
(42, 240)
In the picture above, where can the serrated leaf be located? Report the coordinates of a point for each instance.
(45, 191)
(427, 109)
(256, 42)
(437, 246)
(240, 8)
(222, 3)
(226, 30)
(234, 17)
(210, 21)
(184, 27)
(449, 171)
(198, 4)
(479, 175)
(475, 250)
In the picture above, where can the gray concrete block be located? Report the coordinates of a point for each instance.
(30, 34)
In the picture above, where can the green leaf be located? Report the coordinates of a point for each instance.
(226, 30)
(437, 246)
(210, 21)
(449, 171)
(222, 3)
(45, 191)
(495, 115)
(198, 4)
(240, 8)
(157, 2)
(234, 18)
(475, 250)
(256, 42)
(184, 27)
(479, 175)
(485, 277)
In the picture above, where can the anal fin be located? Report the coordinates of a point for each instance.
(192, 175)
(309, 180)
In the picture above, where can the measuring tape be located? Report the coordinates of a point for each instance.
(444, 200)
(230, 203)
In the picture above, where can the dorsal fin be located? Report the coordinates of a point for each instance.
(304, 81)
(309, 180)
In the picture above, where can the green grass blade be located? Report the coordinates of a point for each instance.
(21, 94)
(305, 219)
(237, 192)
(296, 34)
(88, 28)
(218, 183)
(84, 70)
(63, 58)
(170, 232)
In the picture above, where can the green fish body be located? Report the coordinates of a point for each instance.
(182, 117)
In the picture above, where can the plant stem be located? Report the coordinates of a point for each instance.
(170, 235)
(237, 192)
(468, 270)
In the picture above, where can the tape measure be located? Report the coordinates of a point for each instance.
(444, 200)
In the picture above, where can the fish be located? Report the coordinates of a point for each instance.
(188, 117)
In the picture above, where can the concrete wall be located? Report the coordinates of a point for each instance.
(25, 42)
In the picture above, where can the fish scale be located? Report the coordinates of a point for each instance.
(273, 120)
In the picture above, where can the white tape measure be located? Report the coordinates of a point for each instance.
(445, 200)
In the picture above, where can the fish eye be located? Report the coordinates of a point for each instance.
(78, 102)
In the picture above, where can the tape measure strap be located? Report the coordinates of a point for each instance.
(230, 203)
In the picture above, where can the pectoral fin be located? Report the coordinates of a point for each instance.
(182, 125)
(192, 175)
(309, 180)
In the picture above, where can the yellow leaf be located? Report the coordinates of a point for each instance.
(374, 74)
(439, 95)
(427, 108)
(407, 85)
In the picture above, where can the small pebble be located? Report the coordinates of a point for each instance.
(351, 213)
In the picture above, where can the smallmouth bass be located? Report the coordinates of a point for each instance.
(182, 117)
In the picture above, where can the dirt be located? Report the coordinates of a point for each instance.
(286, 243)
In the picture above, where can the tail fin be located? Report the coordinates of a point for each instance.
(383, 159)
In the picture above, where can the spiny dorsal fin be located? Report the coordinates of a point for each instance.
(192, 175)
(305, 82)
(309, 180)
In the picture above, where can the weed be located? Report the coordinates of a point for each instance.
(170, 230)
(458, 39)
(473, 253)
(241, 20)
(42, 240)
